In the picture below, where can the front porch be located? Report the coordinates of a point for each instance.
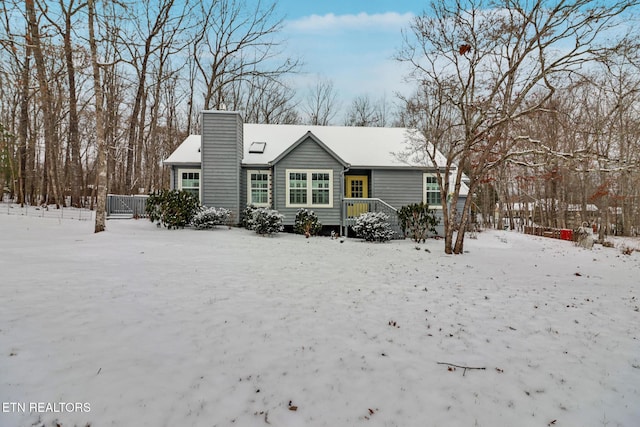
(353, 207)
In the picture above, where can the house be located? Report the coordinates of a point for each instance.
(336, 171)
(549, 212)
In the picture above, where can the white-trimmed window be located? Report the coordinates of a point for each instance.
(259, 188)
(431, 191)
(189, 180)
(309, 188)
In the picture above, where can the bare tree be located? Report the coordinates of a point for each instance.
(100, 223)
(363, 111)
(46, 103)
(158, 15)
(321, 103)
(68, 10)
(497, 63)
(18, 66)
(236, 43)
(265, 100)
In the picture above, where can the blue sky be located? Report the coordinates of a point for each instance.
(350, 42)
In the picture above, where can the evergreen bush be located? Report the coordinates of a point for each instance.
(208, 218)
(172, 208)
(307, 223)
(267, 221)
(417, 220)
(247, 217)
(373, 227)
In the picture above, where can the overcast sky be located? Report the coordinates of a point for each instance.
(350, 42)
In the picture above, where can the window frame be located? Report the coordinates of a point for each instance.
(425, 188)
(181, 187)
(309, 188)
(250, 188)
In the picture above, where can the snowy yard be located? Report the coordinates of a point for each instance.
(141, 326)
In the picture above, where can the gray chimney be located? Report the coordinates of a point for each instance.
(221, 155)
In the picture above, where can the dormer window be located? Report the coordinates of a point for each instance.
(257, 147)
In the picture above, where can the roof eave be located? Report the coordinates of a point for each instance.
(255, 165)
(171, 163)
(396, 167)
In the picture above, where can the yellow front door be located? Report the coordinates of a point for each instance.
(357, 186)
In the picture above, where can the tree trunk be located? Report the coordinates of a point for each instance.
(23, 129)
(101, 173)
(464, 219)
(51, 169)
(73, 134)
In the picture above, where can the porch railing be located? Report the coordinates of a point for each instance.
(352, 208)
(119, 206)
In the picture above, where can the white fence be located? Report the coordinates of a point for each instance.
(50, 211)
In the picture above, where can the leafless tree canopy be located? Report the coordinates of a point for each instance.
(127, 80)
(363, 111)
(487, 73)
(320, 106)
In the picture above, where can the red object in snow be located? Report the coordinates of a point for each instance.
(566, 234)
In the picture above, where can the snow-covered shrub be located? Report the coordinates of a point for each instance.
(417, 220)
(307, 223)
(208, 218)
(172, 208)
(584, 237)
(247, 217)
(373, 227)
(267, 221)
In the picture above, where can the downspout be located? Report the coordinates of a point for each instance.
(343, 227)
(273, 185)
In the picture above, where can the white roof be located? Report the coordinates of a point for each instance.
(187, 153)
(356, 146)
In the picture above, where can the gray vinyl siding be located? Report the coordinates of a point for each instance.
(403, 187)
(243, 189)
(222, 153)
(397, 187)
(308, 155)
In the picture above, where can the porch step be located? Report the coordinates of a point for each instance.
(119, 216)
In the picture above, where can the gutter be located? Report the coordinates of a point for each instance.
(343, 231)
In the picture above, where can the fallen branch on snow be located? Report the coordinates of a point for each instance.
(461, 367)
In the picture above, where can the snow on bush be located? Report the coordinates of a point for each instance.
(266, 221)
(417, 220)
(247, 217)
(584, 237)
(172, 208)
(208, 218)
(307, 223)
(373, 227)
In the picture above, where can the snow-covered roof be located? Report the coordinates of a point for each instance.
(187, 153)
(356, 146)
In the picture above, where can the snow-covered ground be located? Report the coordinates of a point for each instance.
(141, 326)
